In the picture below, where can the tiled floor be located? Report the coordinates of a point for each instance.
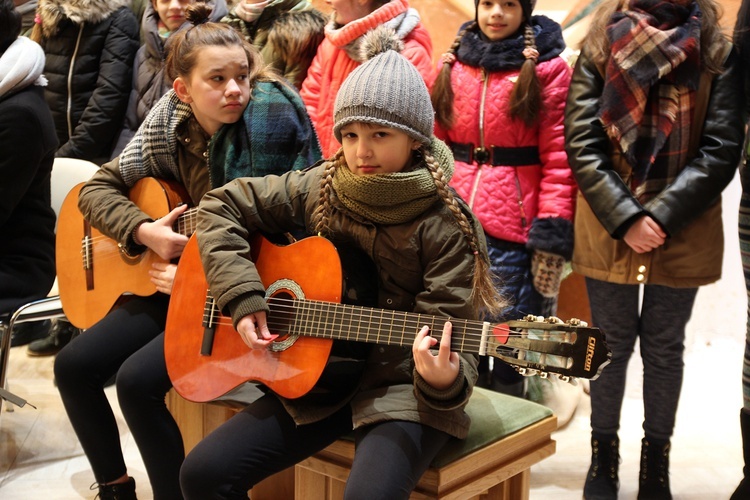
(40, 457)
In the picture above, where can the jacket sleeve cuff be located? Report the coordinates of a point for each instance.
(453, 397)
(246, 304)
(552, 235)
(129, 246)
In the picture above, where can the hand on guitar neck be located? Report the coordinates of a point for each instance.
(161, 237)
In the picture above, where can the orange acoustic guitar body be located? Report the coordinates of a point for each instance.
(92, 272)
(291, 373)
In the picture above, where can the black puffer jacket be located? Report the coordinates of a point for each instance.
(90, 47)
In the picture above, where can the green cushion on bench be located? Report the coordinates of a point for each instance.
(493, 416)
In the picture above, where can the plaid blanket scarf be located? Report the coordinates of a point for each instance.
(274, 135)
(649, 91)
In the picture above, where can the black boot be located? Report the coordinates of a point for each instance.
(743, 490)
(653, 479)
(602, 482)
(119, 491)
(60, 335)
(26, 333)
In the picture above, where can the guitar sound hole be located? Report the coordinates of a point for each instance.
(282, 313)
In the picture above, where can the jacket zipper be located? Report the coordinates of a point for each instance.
(520, 197)
(475, 186)
(207, 156)
(70, 82)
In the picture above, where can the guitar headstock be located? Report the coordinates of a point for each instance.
(538, 346)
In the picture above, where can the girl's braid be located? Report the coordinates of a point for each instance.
(442, 90)
(484, 294)
(324, 210)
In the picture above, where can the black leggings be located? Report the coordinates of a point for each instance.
(263, 439)
(115, 345)
(660, 328)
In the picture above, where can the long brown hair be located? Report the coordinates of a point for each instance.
(525, 98)
(597, 43)
(484, 294)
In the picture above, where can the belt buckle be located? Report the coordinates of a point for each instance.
(482, 156)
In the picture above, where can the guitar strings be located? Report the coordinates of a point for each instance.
(340, 324)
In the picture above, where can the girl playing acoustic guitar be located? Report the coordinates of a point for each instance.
(201, 134)
(386, 193)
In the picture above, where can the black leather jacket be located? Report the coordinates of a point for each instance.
(695, 188)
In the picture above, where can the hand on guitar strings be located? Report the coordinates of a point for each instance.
(160, 236)
(254, 331)
(441, 369)
(162, 276)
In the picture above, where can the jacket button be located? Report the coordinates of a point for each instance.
(642, 269)
(640, 277)
(389, 301)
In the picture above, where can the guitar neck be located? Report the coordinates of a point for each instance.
(370, 325)
(186, 223)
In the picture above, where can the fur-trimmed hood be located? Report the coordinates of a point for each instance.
(53, 12)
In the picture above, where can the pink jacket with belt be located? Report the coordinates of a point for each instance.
(332, 63)
(507, 199)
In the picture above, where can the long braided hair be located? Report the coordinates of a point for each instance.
(484, 294)
(525, 98)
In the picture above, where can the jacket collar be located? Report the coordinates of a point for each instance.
(476, 50)
(54, 12)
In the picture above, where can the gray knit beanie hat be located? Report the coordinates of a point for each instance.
(386, 90)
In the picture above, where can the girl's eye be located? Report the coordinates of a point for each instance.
(242, 77)
(217, 78)
(349, 135)
(380, 134)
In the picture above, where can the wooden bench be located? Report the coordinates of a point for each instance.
(508, 435)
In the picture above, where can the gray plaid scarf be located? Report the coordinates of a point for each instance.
(153, 150)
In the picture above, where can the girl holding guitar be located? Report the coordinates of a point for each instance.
(385, 193)
(200, 135)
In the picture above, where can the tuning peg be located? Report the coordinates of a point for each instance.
(543, 374)
(571, 380)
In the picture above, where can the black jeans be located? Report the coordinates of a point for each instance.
(114, 346)
(263, 439)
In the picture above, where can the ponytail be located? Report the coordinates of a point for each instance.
(526, 96)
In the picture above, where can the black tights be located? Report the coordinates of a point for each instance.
(263, 439)
(115, 345)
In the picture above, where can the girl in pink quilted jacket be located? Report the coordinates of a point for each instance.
(499, 100)
(340, 53)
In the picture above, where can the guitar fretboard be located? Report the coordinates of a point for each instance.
(378, 326)
(186, 222)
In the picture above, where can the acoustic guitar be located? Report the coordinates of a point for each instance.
(305, 283)
(92, 271)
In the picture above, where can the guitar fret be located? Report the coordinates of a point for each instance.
(352, 313)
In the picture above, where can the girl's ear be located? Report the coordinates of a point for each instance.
(415, 144)
(182, 91)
